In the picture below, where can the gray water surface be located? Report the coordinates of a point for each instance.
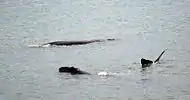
(143, 28)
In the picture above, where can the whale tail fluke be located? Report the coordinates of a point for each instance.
(158, 59)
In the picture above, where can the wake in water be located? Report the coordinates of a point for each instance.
(39, 46)
(103, 73)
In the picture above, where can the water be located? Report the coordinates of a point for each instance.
(143, 28)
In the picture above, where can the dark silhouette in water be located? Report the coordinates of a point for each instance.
(72, 71)
(147, 63)
(70, 43)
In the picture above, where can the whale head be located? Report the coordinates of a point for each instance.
(146, 63)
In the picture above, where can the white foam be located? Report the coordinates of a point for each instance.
(38, 46)
(33, 46)
(47, 45)
(103, 73)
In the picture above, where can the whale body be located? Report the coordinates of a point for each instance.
(72, 70)
(70, 43)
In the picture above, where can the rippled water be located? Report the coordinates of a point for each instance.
(143, 28)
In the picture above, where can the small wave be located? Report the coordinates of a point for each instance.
(38, 46)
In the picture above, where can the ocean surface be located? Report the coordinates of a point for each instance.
(142, 29)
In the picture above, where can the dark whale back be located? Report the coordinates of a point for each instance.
(70, 43)
(71, 70)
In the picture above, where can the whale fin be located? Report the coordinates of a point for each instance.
(159, 56)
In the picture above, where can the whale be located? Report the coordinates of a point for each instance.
(147, 63)
(76, 71)
(72, 70)
(70, 43)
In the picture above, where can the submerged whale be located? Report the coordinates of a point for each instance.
(70, 43)
(147, 63)
(72, 70)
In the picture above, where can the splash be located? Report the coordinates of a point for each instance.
(103, 73)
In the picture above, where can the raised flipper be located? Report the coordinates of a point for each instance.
(147, 63)
(158, 59)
